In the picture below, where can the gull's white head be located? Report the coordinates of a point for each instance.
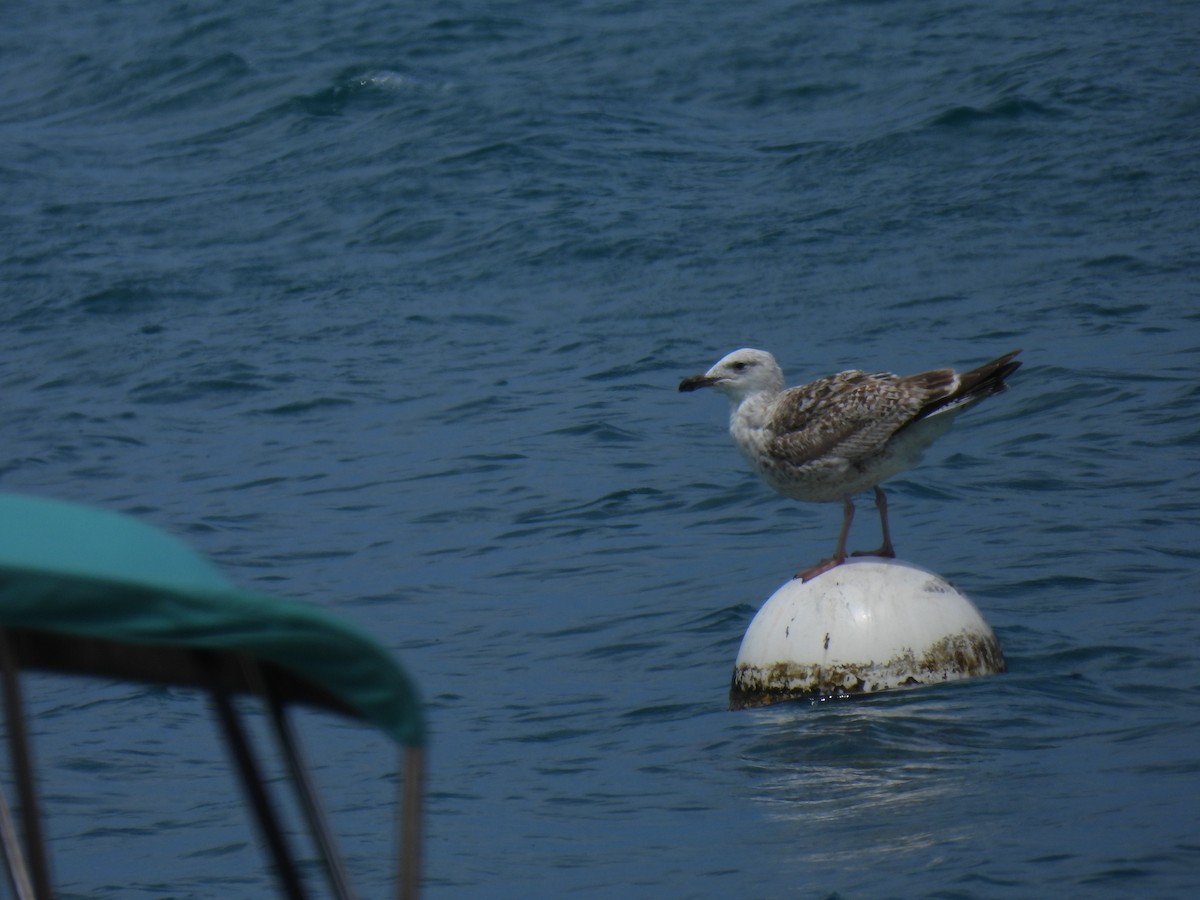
(739, 374)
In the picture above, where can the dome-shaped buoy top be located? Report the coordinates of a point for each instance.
(867, 625)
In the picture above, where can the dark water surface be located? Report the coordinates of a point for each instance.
(383, 307)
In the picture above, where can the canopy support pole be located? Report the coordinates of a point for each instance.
(37, 877)
(335, 869)
(408, 880)
(255, 788)
(14, 857)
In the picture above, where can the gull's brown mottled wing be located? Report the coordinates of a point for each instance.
(851, 415)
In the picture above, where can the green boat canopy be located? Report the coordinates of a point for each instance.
(75, 578)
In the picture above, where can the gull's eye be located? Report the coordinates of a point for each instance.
(739, 366)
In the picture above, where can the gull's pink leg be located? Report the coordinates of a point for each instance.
(887, 551)
(839, 552)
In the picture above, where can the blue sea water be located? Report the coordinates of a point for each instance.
(383, 306)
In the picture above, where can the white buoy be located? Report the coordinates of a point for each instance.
(867, 625)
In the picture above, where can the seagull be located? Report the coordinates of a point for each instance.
(834, 437)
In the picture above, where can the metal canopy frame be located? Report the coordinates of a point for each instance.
(222, 674)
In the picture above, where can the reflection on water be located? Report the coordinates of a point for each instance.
(869, 779)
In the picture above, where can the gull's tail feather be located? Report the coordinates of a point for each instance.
(971, 387)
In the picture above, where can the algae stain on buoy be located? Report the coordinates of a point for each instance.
(867, 625)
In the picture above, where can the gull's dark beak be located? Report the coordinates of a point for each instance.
(695, 382)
